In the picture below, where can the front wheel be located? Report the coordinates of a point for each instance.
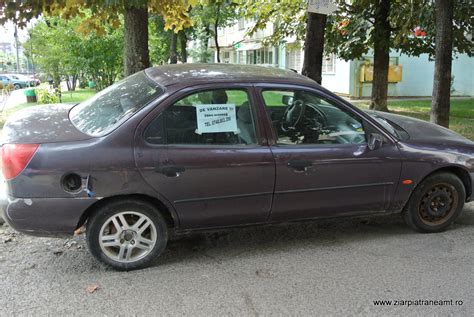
(17, 86)
(127, 234)
(436, 203)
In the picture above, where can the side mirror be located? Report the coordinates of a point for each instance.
(375, 141)
(287, 100)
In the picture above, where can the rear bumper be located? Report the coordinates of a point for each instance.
(44, 216)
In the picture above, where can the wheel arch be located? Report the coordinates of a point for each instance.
(170, 217)
(453, 169)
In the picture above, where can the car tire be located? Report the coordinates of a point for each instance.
(435, 203)
(130, 246)
(16, 86)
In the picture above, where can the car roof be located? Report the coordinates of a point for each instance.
(189, 74)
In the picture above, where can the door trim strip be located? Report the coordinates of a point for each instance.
(221, 197)
(331, 188)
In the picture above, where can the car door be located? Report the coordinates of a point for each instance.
(324, 166)
(205, 152)
(4, 80)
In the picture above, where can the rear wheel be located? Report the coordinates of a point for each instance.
(127, 234)
(436, 203)
(17, 86)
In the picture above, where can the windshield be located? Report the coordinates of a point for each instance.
(105, 111)
(391, 127)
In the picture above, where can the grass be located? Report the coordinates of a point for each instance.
(67, 97)
(77, 96)
(461, 114)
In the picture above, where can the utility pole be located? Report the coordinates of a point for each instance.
(17, 50)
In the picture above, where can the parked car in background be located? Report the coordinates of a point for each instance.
(15, 81)
(30, 79)
(192, 147)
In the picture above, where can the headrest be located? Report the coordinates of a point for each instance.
(244, 113)
(219, 97)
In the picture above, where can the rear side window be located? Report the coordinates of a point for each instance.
(211, 117)
(109, 108)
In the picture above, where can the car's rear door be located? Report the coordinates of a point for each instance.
(206, 153)
(324, 167)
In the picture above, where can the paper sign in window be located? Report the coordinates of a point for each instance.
(216, 118)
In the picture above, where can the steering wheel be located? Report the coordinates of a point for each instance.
(318, 119)
(292, 116)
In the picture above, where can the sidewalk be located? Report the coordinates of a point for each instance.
(15, 98)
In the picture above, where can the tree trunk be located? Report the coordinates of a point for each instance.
(314, 46)
(183, 41)
(136, 55)
(174, 48)
(440, 104)
(216, 34)
(381, 56)
(57, 85)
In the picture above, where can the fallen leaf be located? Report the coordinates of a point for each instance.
(92, 288)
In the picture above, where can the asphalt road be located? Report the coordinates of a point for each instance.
(337, 267)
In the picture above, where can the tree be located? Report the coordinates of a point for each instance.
(290, 19)
(208, 17)
(362, 26)
(381, 25)
(174, 48)
(314, 47)
(443, 60)
(136, 55)
(159, 40)
(174, 12)
(62, 52)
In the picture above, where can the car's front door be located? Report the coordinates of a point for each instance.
(324, 166)
(205, 154)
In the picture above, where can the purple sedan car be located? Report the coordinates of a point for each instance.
(192, 147)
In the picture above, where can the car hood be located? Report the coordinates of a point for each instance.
(42, 124)
(423, 131)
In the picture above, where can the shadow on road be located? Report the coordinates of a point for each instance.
(327, 233)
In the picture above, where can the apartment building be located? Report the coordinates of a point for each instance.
(408, 76)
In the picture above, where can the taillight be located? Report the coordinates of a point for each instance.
(15, 157)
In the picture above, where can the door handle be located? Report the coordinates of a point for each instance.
(299, 165)
(171, 171)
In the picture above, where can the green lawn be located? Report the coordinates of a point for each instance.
(67, 97)
(78, 95)
(461, 119)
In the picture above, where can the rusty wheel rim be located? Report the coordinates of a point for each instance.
(438, 204)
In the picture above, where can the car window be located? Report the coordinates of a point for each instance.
(212, 117)
(106, 110)
(302, 117)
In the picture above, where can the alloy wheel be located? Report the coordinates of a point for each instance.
(127, 236)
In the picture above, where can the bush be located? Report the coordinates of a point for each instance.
(46, 95)
(6, 90)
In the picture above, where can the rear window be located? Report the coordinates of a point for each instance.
(105, 111)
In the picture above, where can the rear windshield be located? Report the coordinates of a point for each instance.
(105, 111)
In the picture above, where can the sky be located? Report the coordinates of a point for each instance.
(7, 33)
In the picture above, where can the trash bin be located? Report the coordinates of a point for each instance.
(30, 95)
(91, 84)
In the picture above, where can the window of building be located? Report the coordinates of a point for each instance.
(293, 59)
(240, 57)
(329, 64)
(212, 117)
(225, 57)
(241, 23)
